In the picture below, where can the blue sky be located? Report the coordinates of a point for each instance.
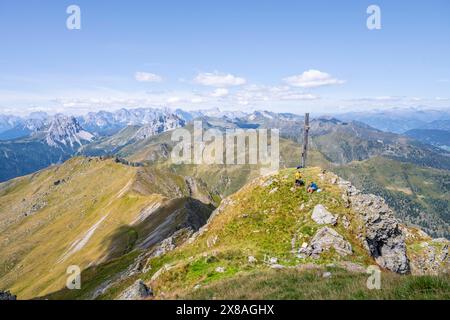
(277, 55)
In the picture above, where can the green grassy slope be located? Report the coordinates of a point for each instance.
(305, 285)
(265, 219)
(85, 212)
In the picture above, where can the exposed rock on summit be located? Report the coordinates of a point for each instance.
(325, 239)
(383, 236)
(322, 216)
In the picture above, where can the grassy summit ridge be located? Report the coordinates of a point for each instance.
(256, 230)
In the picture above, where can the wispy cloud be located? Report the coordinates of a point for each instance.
(220, 92)
(386, 102)
(220, 80)
(173, 100)
(298, 97)
(312, 79)
(197, 100)
(147, 77)
(257, 94)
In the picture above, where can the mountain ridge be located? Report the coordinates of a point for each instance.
(265, 208)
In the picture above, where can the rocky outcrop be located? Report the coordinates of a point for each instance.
(128, 163)
(6, 295)
(383, 236)
(137, 291)
(322, 216)
(431, 257)
(325, 239)
(171, 242)
(196, 191)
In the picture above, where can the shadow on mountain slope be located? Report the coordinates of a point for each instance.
(159, 224)
(177, 218)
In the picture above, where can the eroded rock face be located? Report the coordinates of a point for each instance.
(6, 295)
(137, 291)
(383, 236)
(325, 239)
(322, 216)
(165, 246)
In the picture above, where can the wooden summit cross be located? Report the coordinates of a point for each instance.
(305, 140)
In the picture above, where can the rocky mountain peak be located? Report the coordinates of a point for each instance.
(66, 131)
(159, 125)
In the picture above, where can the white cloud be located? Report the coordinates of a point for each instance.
(299, 96)
(220, 92)
(219, 80)
(388, 98)
(255, 94)
(173, 100)
(147, 77)
(197, 100)
(312, 79)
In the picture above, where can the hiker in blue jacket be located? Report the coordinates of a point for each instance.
(312, 187)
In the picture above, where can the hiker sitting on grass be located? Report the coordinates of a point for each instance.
(312, 187)
(298, 178)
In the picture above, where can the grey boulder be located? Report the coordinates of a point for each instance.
(137, 291)
(322, 216)
(325, 239)
(6, 295)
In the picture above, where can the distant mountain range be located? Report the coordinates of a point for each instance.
(437, 125)
(53, 142)
(109, 122)
(400, 120)
(12, 127)
(438, 138)
(40, 140)
(427, 126)
(97, 123)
